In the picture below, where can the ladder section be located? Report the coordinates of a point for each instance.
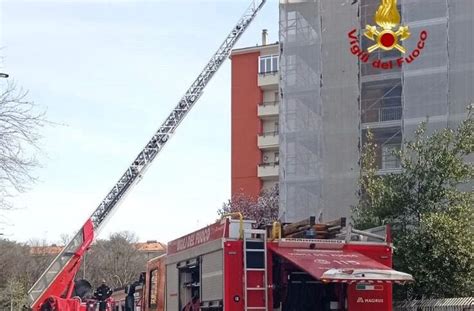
(255, 270)
(55, 267)
(141, 163)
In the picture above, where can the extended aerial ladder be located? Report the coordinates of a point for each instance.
(56, 284)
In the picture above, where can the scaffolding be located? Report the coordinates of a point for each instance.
(318, 109)
(330, 99)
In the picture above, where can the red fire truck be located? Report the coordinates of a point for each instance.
(229, 266)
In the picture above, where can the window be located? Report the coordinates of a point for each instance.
(277, 157)
(381, 101)
(390, 160)
(153, 292)
(388, 140)
(265, 159)
(268, 64)
(386, 92)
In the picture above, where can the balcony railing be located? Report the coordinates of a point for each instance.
(387, 158)
(264, 164)
(268, 80)
(268, 170)
(268, 134)
(270, 103)
(391, 163)
(267, 73)
(268, 109)
(381, 114)
(268, 140)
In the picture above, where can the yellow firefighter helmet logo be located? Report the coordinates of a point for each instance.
(385, 37)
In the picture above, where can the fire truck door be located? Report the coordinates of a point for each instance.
(172, 290)
(212, 278)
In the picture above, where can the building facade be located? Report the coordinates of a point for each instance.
(255, 121)
(331, 97)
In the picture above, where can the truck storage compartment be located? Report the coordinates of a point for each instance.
(212, 281)
(189, 283)
(302, 292)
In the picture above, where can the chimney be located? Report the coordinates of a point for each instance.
(264, 36)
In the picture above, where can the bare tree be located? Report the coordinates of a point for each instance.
(14, 263)
(117, 260)
(19, 134)
(65, 238)
(41, 253)
(20, 265)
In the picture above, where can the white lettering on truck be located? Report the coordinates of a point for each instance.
(369, 300)
(196, 238)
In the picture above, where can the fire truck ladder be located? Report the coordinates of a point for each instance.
(141, 163)
(255, 270)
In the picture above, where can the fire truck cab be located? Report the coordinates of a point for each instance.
(229, 266)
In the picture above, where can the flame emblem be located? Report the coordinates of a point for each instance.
(387, 18)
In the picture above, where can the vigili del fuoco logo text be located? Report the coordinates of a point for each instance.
(387, 36)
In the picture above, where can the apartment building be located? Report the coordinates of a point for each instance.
(331, 97)
(255, 118)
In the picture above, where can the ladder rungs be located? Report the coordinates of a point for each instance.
(255, 244)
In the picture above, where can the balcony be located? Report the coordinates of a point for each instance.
(381, 114)
(268, 141)
(268, 80)
(268, 109)
(268, 171)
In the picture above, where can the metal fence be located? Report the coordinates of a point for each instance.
(381, 114)
(450, 304)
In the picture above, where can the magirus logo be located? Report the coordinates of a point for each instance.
(369, 300)
(387, 35)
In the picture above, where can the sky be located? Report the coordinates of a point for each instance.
(108, 73)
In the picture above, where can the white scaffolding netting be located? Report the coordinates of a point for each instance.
(319, 107)
(330, 99)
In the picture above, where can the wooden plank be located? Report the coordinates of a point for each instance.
(334, 229)
(295, 235)
(322, 231)
(297, 230)
(320, 227)
(338, 222)
(297, 226)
